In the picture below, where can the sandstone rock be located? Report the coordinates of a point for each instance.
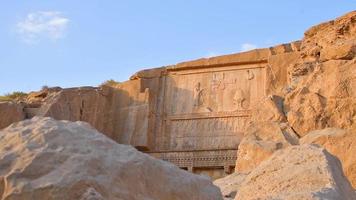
(260, 142)
(344, 51)
(111, 110)
(230, 184)
(339, 142)
(297, 172)
(305, 111)
(339, 31)
(10, 112)
(324, 98)
(43, 158)
(323, 78)
(195, 113)
(269, 109)
(149, 73)
(35, 99)
(277, 72)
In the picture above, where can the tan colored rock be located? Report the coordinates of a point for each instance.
(323, 79)
(324, 98)
(35, 99)
(269, 109)
(297, 172)
(195, 113)
(305, 111)
(43, 158)
(10, 112)
(149, 73)
(339, 142)
(344, 51)
(253, 56)
(277, 72)
(112, 110)
(230, 184)
(333, 33)
(260, 142)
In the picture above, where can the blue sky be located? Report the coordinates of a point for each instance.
(76, 43)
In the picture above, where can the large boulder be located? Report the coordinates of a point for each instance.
(43, 158)
(10, 112)
(339, 142)
(297, 172)
(260, 142)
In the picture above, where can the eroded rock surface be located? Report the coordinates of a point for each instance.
(43, 158)
(111, 110)
(297, 172)
(195, 114)
(230, 184)
(339, 142)
(322, 81)
(10, 112)
(260, 142)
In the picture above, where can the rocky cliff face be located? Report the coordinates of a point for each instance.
(198, 114)
(318, 93)
(118, 111)
(322, 80)
(312, 82)
(10, 112)
(43, 158)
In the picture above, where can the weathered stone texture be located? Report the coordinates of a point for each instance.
(119, 112)
(10, 112)
(339, 142)
(260, 142)
(323, 79)
(297, 172)
(43, 158)
(230, 184)
(192, 113)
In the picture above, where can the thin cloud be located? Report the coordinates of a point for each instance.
(211, 54)
(248, 47)
(42, 24)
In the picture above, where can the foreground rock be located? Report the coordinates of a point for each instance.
(298, 172)
(260, 142)
(10, 112)
(229, 185)
(46, 159)
(341, 143)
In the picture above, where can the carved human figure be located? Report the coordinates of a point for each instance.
(239, 98)
(198, 95)
(250, 75)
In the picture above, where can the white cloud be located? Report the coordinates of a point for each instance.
(42, 24)
(211, 54)
(248, 46)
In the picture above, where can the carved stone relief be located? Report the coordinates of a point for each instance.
(203, 108)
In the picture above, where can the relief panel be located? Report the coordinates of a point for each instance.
(210, 108)
(213, 91)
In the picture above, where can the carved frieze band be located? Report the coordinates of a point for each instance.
(208, 124)
(238, 113)
(213, 158)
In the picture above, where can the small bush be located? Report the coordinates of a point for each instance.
(110, 82)
(5, 98)
(14, 96)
